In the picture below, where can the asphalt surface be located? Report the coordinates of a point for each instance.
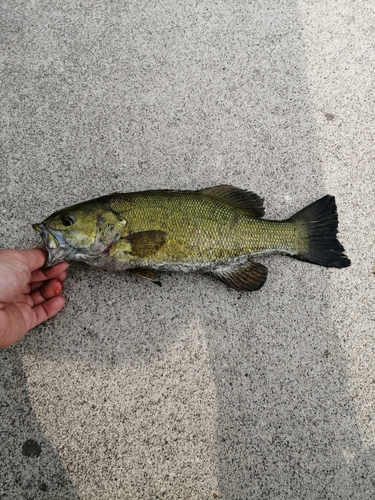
(192, 390)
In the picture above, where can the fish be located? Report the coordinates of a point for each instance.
(216, 231)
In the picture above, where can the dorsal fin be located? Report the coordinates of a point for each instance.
(247, 201)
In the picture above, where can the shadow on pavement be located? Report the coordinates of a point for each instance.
(30, 465)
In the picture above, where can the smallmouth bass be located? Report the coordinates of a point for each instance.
(215, 231)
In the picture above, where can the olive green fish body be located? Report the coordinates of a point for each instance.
(215, 230)
(199, 230)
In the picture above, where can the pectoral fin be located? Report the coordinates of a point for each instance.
(249, 277)
(146, 243)
(146, 273)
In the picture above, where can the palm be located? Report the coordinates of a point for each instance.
(28, 295)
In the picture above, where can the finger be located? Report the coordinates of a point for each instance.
(52, 272)
(51, 289)
(46, 310)
(34, 258)
(38, 284)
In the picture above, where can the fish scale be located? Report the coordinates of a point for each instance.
(215, 230)
(203, 228)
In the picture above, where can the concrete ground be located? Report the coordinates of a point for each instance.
(192, 390)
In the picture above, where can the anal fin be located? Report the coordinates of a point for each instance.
(249, 277)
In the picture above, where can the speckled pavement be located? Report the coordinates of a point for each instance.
(192, 390)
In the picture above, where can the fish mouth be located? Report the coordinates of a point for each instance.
(55, 245)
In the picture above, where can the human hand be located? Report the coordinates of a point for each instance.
(28, 295)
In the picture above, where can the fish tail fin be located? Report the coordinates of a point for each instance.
(320, 223)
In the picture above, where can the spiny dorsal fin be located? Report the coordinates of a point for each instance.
(249, 277)
(247, 201)
(146, 243)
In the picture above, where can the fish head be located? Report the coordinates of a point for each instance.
(84, 232)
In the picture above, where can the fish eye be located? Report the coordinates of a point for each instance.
(67, 220)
